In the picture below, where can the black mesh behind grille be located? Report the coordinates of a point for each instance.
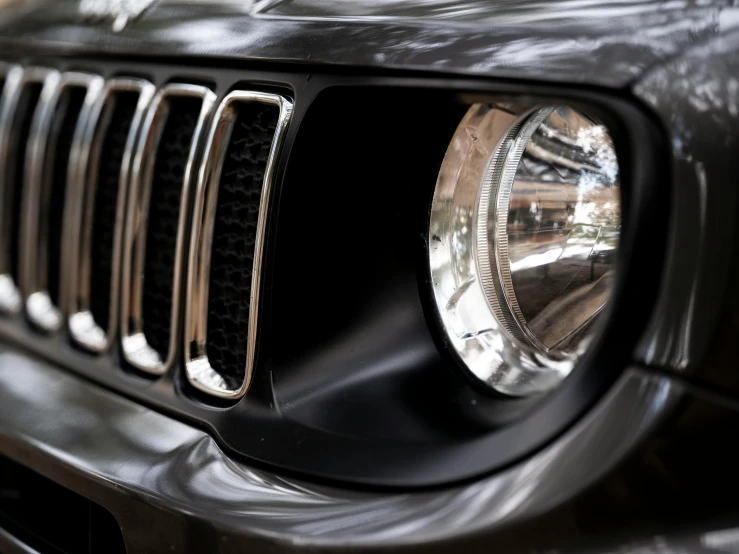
(21, 132)
(106, 197)
(64, 124)
(51, 519)
(164, 213)
(234, 234)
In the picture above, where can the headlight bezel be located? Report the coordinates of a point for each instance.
(645, 202)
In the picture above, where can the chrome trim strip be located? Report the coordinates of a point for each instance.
(38, 183)
(80, 206)
(136, 349)
(10, 297)
(197, 367)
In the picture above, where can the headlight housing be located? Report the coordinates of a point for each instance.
(524, 228)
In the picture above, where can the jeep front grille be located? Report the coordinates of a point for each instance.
(112, 198)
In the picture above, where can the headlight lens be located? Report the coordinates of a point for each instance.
(524, 230)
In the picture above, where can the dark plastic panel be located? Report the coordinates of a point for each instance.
(347, 313)
(51, 519)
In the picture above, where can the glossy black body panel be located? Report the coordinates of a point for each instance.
(675, 493)
(696, 97)
(171, 488)
(653, 465)
(174, 488)
(564, 41)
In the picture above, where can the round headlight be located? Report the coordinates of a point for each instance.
(524, 230)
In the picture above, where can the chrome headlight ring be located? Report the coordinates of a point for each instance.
(473, 265)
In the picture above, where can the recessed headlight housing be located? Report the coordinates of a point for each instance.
(524, 231)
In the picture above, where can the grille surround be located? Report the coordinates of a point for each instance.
(200, 373)
(39, 181)
(83, 329)
(136, 349)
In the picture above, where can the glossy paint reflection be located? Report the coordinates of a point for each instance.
(145, 454)
(697, 99)
(562, 227)
(468, 11)
(560, 41)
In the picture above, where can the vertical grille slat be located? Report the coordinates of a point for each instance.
(11, 78)
(67, 120)
(21, 97)
(97, 207)
(156, 224)
(105, 206)
(22, 123)
(60, 124)
(226, 251)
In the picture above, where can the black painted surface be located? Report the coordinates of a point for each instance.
(560, 41)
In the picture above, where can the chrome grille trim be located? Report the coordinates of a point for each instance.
(16, 79)
(199, 371)
(135, 347)
(40, 308)
(83, 328)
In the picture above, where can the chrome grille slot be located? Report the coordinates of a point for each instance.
(226, 247)
(156, 224)
(10, 79)
(21, 97)
(105, 205)
(97, 212)
(60, 126)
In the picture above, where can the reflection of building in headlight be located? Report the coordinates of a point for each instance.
(531, 262)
